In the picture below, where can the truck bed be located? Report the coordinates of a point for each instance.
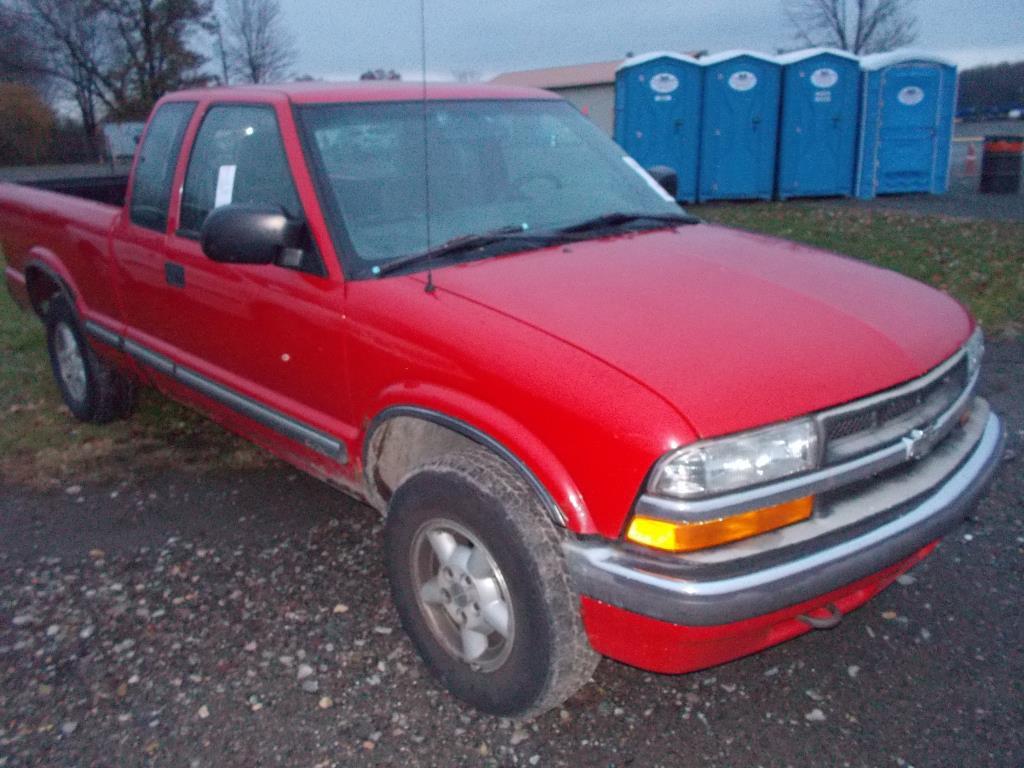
(101, 189)
(91, 181)
(65, 233)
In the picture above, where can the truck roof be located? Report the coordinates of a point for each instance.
(315, 92)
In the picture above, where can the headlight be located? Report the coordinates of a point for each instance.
(728, 463)
(975, 347)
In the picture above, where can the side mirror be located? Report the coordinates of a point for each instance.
(666, 177)
(250, 233)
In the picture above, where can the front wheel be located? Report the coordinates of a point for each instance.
(480, 584)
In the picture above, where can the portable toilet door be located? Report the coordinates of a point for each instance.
(818, 128)
(739, 126)
(657, 114)
(909, 101)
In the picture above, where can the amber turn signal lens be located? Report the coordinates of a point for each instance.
(686, 537)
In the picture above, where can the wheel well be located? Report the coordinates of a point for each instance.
(42, 287)
(401, 443)
(409, 436)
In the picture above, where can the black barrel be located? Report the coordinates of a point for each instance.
(1001, 165)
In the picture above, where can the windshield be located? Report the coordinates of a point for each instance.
(532, 165)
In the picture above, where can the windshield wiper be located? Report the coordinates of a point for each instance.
(474, 241)
(462, 244)
(618, 218)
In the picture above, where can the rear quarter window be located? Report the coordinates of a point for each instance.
(154, 171)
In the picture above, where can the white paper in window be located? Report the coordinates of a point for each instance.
(225, 185)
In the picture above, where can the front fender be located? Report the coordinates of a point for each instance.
(483, 423)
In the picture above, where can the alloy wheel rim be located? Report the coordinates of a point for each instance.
(70, 362)
(462, 594)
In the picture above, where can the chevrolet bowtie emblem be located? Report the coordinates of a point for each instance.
(917, 443)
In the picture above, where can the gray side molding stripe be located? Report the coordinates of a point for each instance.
(296, 430)
(145, 355)
(101, 333)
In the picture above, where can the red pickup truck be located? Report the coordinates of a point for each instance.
(596, 425)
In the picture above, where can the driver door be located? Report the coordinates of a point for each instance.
(268, 341)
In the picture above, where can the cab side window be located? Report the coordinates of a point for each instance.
(154, 171)
(238, 157)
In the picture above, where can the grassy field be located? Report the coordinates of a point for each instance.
(981, 263)
(41, 444)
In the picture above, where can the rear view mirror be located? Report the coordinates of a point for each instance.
(666, 177)
(250, 234)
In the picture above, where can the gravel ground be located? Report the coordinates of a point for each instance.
(242, 619)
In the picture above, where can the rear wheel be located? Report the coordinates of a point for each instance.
(92, 389)
(480, 584)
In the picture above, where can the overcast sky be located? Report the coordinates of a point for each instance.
(341, 38)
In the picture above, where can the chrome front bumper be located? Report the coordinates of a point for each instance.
(862, 530)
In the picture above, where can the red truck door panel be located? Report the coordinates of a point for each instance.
(267, 332)
(138, 241)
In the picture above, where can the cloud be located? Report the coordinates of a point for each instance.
(356, 35)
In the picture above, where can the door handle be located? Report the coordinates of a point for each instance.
(174, 274)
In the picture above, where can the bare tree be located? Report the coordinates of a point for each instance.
(20, 61)
(858, 26)
(60, 47)
(113, 58)
(258, 48)
(153, 50)
(217, 32)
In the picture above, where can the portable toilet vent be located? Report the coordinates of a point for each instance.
(657, 114)
(739, 126)
(906, 134)
(818, 128)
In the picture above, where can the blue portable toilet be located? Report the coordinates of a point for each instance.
(906, 133)
(657, 114)
(818, 127)
(739, 126)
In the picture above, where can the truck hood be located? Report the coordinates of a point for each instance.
(734, 330)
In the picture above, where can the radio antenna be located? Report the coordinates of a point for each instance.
(429, 288)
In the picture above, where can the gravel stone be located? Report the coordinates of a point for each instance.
(222, 613)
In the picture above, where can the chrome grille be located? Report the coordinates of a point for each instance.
(861, 427)
(844, 426)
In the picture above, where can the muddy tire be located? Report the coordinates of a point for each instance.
(480, 583)
(92, 389)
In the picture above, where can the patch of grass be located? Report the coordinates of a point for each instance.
(43, 445)
(977, 262)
